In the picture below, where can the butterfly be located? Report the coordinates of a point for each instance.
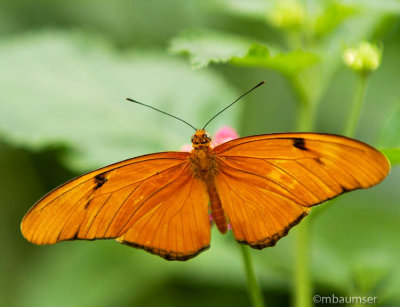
(260, 185)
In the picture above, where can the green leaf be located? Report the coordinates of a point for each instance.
(393, 155)
(71, 89)
(204, 47)
(287, 63)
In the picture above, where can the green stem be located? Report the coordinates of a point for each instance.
(305, 112)
(305, 117)
(303, 285)
(302, 279)
(252, 285)
(356, 105)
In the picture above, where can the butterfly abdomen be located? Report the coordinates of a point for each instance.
(217, 211)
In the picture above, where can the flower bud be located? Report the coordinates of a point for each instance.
(366, 57)
(287, 14)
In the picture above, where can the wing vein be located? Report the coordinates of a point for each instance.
(150, 196)
(116, 212)
(293, 177)
(257, 175)
(97, 213)
(319, 178)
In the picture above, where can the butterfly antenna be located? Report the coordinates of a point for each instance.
(141, 103)
(261, 83)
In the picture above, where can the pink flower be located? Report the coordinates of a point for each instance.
(187, 147)
(223, 135)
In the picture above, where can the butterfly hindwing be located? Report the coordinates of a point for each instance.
(258, 215)
(267, 183)
(174, 223)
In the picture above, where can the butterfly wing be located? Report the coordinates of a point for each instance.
(151, 202)
(268, 183)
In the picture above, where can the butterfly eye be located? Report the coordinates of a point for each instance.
(207, 136)
(192, 138)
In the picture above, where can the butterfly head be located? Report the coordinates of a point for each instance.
(201, 139)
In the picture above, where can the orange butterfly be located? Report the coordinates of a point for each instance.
(262, 185)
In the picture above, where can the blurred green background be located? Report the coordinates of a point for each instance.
(65, 71)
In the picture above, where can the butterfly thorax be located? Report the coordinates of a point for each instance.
(202, 157)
